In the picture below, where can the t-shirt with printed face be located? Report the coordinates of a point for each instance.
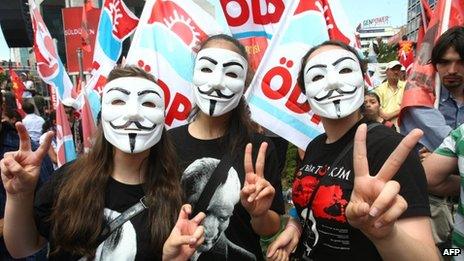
(228, 231)
(332, 237)
(129, 242)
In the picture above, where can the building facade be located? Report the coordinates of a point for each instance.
(414, 17)
(368, 35)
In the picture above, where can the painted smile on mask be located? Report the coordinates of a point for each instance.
(219, 80)
(334, 83)
(340, 94)
(219, 94)
(136, 123)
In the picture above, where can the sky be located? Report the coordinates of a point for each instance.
(356, 11)
(359, 10)
(4, 51)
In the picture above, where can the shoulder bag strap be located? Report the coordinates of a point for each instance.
(218, 176)
(340, 156)
(131, 212)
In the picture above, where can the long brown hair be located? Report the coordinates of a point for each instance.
(77, 216)
(241, 127)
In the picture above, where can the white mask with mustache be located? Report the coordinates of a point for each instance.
(334, 83)
(218, 80)
(132, 113)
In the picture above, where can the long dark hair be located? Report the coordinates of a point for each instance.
(240, 127)
(79, 206)
(454, 37)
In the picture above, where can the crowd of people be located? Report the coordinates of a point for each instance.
(212, 189)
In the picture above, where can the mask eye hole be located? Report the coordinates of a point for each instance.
(118, 102)
(317, 78)
(206, 70)
(149, 104)
(232, 75)
(346, 70)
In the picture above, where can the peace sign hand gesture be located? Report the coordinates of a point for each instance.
(375, 204)
(257, 194)
(185, 237)
(20, 169)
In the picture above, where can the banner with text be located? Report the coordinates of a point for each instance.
(165, 44)
(275, 99)
(72, 35)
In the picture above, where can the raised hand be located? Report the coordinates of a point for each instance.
(285, 243)
(20, 169)
(185, 237)
(375, 204)
(257, 194)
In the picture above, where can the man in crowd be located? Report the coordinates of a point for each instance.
(391, 92)
(70, 107)
(28, 93)
(448, 60)
(441, 181)
(32, 121)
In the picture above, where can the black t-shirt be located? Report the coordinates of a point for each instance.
(335, 238)
(128, 242)
(198, 159)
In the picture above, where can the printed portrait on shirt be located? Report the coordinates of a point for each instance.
(219, 210)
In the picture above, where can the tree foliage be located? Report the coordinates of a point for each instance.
(3, 76)
(386, 53)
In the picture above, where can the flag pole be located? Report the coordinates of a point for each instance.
(81, 66)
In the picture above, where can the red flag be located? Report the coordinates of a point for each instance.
(18, 86)
(456, 14)
(420, 86)
(64, 139)
(335, 19)
(163, 9)
(53, 98)
(427, 14)
(49, 65)
(406, 54)
(333, 28)
(85, 35)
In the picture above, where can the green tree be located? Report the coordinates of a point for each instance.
(386, 53)
(3, 76)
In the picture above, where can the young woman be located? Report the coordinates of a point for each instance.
(246, 203)
(354, 204)
(371, 109)
(75, 211)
